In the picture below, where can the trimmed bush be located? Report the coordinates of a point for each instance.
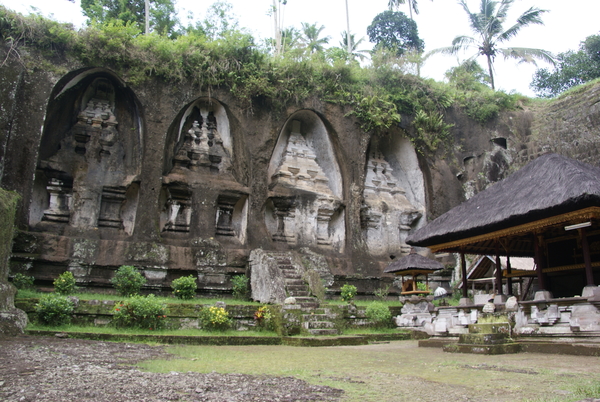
(215, 318)
(128, 280)
(140, 312)
(65, 283)
(348, 292)
(54, 310)
(184, 287)
(379, 314)
(23, 281)
(239, 285)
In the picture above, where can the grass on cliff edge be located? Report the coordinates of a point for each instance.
(401, 371)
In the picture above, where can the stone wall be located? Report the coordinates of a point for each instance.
(176, 180)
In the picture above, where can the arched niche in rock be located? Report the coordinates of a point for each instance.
(305, 205)
(200, 194)
(199, 141)
(393, 195)
(90, 154)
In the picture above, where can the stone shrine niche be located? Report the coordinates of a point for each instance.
(393, 196)
(202, 142)
(305, 205)
(231, 217)
(90, 155)
(177, 212)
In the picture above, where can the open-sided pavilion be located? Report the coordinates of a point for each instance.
(548, 210)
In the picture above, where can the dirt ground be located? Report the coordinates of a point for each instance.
(57, 369)
(54, 369)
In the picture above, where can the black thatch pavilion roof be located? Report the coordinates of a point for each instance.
(549, 186)
(413, 263)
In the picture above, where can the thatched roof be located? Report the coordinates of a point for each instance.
(413, 263)
(548, 186)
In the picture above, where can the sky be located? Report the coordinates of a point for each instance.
(566, 24)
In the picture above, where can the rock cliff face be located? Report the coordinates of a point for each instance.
(176, 181)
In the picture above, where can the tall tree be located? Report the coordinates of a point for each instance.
(312, 37)
(487, 25)
(394, 31)
(572, 68)
(277, 13)
(162, 12)
(218, 21)
(412, 6)
(350, 44)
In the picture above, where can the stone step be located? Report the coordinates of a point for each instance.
(298, 293)
(321, 332)
(301, 287)
(286, 266)
(318, 325)
(318, 317)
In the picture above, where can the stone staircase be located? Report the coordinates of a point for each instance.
(314, 320)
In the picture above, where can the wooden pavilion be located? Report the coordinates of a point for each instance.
(548, 210)
(413, 265)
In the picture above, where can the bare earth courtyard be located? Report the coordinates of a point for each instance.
(55, 369)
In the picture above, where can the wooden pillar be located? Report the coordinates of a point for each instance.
(463, 270)
(589, 274)
(498, 270)
(509, 281)
(538, 262)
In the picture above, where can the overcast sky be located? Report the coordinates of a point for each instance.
(566, 24)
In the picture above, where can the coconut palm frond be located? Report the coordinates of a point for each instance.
(529, 17)
(527, 55)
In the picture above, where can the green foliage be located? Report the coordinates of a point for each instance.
(379, 314)
(431, 130)
(421, 286)
(348, 292)
(382, 292)
(140, 312)
(54, 310)
(394, 31)
(162, 13)
(65, 283)
(128, 280)
(22, 282)
(572, 69)
(184, 287)
(214, 318)
(264, 318)
(240, 287)
(468, 76)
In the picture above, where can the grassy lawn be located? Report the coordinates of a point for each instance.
(400, 371)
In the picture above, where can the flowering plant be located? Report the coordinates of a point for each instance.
(263, 317)
(215, 318)
(65, 283)
(184, 287)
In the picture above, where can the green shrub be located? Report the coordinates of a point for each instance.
(22, 282)
(239, 285)
(184, 287)
(54, 310)
(140, 312)
(128, 280)
(348, 293)
(65, 283)
(215, 318)
(379, 314)
(382, 292)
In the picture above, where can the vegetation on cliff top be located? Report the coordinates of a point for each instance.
(377, 95)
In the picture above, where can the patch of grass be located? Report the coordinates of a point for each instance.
(394, 371)
(138, 331)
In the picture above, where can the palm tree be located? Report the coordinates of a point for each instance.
(352, 47)
(412, 5)
(487, 25)
(311, 39)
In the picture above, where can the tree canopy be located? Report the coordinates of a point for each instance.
(394, 31)
(572, 68)
(487, 24)
(162, 13)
